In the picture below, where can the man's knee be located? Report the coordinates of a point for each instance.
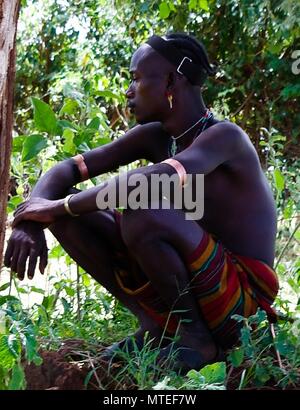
(62, 226)
(154, 226)
(140, 226)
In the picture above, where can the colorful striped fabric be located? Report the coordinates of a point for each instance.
(224, 284)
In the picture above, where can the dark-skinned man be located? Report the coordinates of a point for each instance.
(156, 261)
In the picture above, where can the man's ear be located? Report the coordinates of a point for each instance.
(171, 80)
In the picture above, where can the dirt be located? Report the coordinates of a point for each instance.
(73, 368)
(76, 366)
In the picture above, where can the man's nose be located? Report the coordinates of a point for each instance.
(129, 92)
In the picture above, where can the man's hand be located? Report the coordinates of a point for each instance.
(39, 210)
(27, 242)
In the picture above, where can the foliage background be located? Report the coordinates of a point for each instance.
(72, 72)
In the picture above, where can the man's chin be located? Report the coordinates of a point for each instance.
(142, 120)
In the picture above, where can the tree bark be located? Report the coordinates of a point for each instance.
(9, 12)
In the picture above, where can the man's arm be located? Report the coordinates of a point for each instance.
(135, 144)
(27, 241)
(218, 145)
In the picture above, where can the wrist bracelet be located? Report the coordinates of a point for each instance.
(67, 206)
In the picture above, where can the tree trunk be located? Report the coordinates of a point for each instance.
(9, 11)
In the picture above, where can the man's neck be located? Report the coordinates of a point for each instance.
(183, 116)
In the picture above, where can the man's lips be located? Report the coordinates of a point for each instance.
(131, 108)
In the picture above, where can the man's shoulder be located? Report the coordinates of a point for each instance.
(224, 134)
(228, 127)
(223, 143)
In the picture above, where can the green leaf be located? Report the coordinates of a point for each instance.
(48, 302)
(37, 360)
(69, 145)
(8, 298)
(37, 290)
(31, 346)
(94, 124)
(290, 91)
(214, 373)
(69, 291)
(7, 358)
(13, 345)
(262, 374)
(66, 305)
(164, 10)
(203, 4)
(236, 357)
(70, 107)
(288, 210)
(103, 141)
(18, 143)
(14, 202)
(86, 280)
(279, 180)
(297, 235)
(193, 4)
(57, 252)
(4, 286)
(33, 144)
(17, 381)
(67, 124)
(44, 117)
(107, 94)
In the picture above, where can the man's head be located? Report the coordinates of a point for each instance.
(155, 69)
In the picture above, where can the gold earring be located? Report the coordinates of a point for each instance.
(170, 98)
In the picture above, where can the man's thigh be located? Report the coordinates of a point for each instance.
(169, 225)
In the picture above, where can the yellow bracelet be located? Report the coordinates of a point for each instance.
(67, 206)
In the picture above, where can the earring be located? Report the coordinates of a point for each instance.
(170, 99)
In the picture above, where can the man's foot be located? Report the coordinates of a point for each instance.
(182, 359)
(135, 342)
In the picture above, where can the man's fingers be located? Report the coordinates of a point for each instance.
(43, 259)
(9, 253)
(15, 258)
(33, 255)
(19, 208)
(21, 264)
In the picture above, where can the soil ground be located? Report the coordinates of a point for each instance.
(75, 366)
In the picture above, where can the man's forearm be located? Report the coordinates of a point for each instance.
(56, 182)
(97, 197)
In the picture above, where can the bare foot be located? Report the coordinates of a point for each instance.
(136, 342)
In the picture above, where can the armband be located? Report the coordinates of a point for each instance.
(179, 168)
(82, 168)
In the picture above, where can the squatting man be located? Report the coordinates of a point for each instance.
(179, 276)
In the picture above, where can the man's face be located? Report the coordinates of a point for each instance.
(146, 94)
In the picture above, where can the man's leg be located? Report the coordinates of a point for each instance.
(89, 240)
(161, 240)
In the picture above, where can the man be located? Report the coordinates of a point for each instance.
(177, 275)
